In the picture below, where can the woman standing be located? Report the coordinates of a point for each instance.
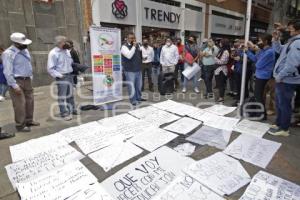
(222, 71)
(264, 62)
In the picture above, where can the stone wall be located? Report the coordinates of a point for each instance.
(41, 23)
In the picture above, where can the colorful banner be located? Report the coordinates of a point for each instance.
(106, 62)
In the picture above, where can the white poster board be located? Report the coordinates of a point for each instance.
(106, 64)
(147, 177)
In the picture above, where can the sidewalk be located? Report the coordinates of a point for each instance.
(285, 164)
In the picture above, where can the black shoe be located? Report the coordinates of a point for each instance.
(5, 135)
(75, 112)
(142, 99)
(33, 123)
(24, 129)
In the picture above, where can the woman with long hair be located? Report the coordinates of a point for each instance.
(221, 72)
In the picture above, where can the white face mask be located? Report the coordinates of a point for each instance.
(168, 44)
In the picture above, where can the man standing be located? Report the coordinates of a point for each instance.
(60, 68)
(156, 62)
(132, 63)
(17, 69)
(169, 57)
(148, 57)
(287, 77)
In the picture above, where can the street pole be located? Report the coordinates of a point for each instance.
(247, 33)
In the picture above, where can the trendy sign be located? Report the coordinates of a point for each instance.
(106, 62)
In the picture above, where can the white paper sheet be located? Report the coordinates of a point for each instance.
(77, 132)
(211, 136)
(153, 138)
(220, 109)
(30, 148)
(183, 126)
(114, 134)
(148, 176)
(268, 186)
(91, 192)
(187, 188)
(220, 173)
(191, 71)
(257, 129)
(57, 184)
(216, 121)
(257, 151)
(115, 154)
(143, 112)
(118, 120)
(160, 117)
(185, 149)
(41, 163)
(180, 109)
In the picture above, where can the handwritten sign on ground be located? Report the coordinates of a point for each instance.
(91, 192)
(160, 117)
(57, 184)
(143, 112)
(257, 129)
(216, 121)
(220, 109)
(30, 148)
(183, 126)
(77, 132)
(268, 186)
(41, 163)
(220, 173)
(148, 176)
(118, 120)
(115, 154)
(185, 149)
(176, 107)
(114, 134)
(211, 136)
(257, 151)
(153, 138)
(187, 188)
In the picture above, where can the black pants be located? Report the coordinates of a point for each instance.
(178, 67)
(221, 84)
(147, 69)
(260, 85)
(238, 83)
(297, 98)
(207, 75)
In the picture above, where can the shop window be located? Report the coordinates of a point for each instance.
(217, 13)
(294, 9)
(191, 7)
(168, 2)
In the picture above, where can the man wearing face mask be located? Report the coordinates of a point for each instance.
(60, 67)
(18, 73)
(264, 63)
(148, 57)
(287, 76)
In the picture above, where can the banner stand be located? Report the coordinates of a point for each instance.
(106, 65)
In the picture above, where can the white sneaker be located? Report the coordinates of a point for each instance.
(2, 98)
(184, 90)
(279, 132)
(274, 126)
(196, 90)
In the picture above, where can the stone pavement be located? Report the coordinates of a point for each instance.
(285, 164)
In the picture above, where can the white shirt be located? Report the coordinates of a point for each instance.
(169, 55)
(126, 52)
(148, 54)
(59, 62)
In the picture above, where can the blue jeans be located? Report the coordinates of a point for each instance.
(284, 95)
(134, 84)
(3, 89)
(194, 79)
(65, 95)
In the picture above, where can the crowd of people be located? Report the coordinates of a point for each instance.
(273, 67)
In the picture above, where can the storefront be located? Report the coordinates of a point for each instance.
(155, 20)
(257, 28)
(226, 24)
